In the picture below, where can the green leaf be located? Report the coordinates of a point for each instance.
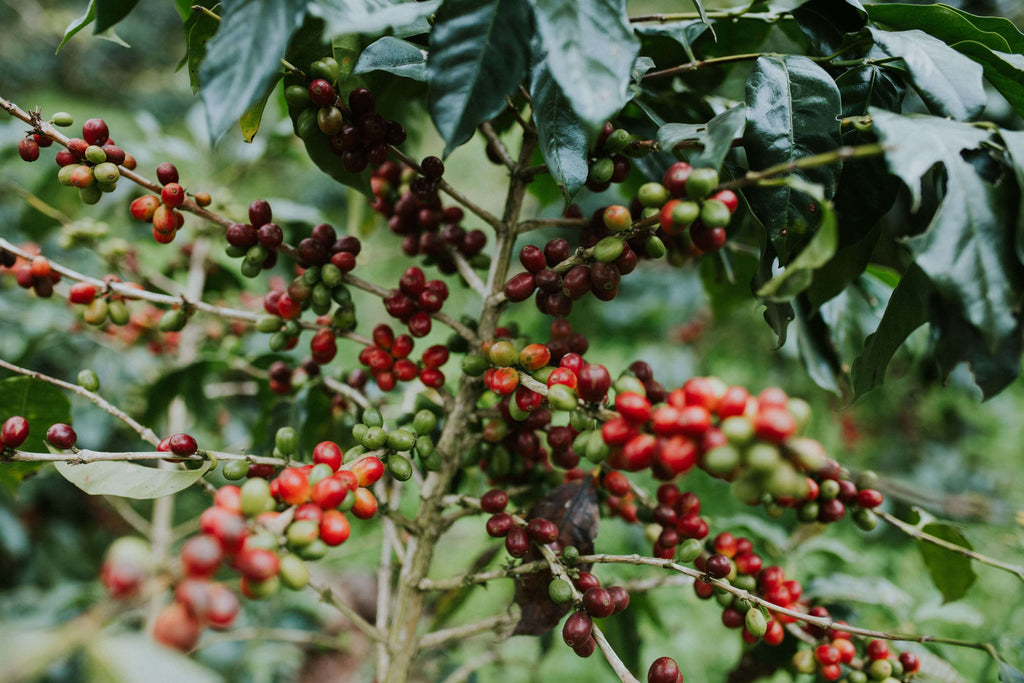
(42, 405)
(342, 17)
(199, 27)
(110, 12)
(949, 83)
(78, 24)
(132, 657)
(714, 138)
(244, 57)
(958, 341)
(560, 133)
(478, 55)
(395, 56)
(250, 120)
(591, 48)
(1009, 674)
(792, 105)
(863, 87)
(799, 272)
(129, 480)
(683, 33)
(1003, 70)
(826, 22)
(966, 250)
(704, 17)
(1014, 141)
(951, 572)
(945, 23)
(907, 310)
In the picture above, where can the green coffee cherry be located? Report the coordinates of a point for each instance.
(88, 380)
(173, 320)
(601, 171)
(372, 418)
(302, 532)
(64, 174)
(701, 182)
(317, 549)
(617, 141)
(296, 96)
(400, 467)
(756, 623)
(608, 249)
(319, 472)
(654, 247)
(562, 397)
(570, 555)
(254, 496)
(62, 119)
(118, 312)
(401, 440)
(96, 312)
(424, 422)
(90, 195)
(375, 438)
(264, 589)
(714, 214)
(95, 154)
(106, 173)
(268, 324)
(294, 572)
(287, 440)
(689, 550)
(560, 591)
(629, 384)
(652, 195)
(326, 68)
(353, 453)
(235, 469)
(331, 275)
(722, 460)
(474, 365)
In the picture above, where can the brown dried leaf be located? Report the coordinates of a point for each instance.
(573, 508)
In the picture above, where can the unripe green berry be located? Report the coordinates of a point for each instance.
(302, 532)
(319, 472)
(268, 324)
(608, 249)
(375, 438)
(400, 467)
(372, 418)
(254, 497)
(317, 549)
(62, 119)
(106, 173)
(287, 440)
(296, 96)
(474, 366)
(701, 182)
(561, 397)
(629, 384)
(714, 214)
(653, 195)
(880, 669)
(829, 489)
(235, 469)
(570, 555)
(689, 550)
(756, 622)
(617, 141)
(654, 247)
(95, 154)
(560, 591)
(424, 422)
(294, 572)
(601, 171)
(503, 354)
(401, 440)
(88, 380)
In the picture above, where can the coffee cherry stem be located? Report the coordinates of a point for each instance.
(492, 137)
(539, 223)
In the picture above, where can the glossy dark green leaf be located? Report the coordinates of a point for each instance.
(949, 83)
(129, 480)
(42, 405)
(777, 315)
(682, 33)
(726, 280)
(395, 56)
(907, 310)
(591, 48)
(78, 24)
(825, 22)
(714, 139)
(951, 572)
(942, 21)
(479, 54)
(243, 58)
(1014, 141)
(815, 349)
(870, 85)
(110, 12)
(560, 133)
(699, 6)
(792, 105)
(819, 249)
(1003, 70)
(400, 17)
(854, 314)
(967, 250)
(199, 28)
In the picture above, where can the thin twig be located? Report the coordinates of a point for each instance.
(497, 145)
(916, 533)
(84, 456)
(538, 223)
(347, 391)
(467, 273)
(482, 577)
(280, 635)
(327, 595)
(500, 625)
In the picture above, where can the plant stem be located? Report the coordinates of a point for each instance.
(916, 533)
(500, 625)
(824, 159)
(693, 66)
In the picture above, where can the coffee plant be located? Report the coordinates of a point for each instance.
(853, 169)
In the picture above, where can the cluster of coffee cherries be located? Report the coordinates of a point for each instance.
(255, 242)
(608, 161)
(415, 299)
(595, 602)
(388, 360)
(163, 211)
(414, 210)
(357, 133)
(838, 651)
(558, 281)
(689, 215)
(36, 274)
(89, 163)
(416, 440)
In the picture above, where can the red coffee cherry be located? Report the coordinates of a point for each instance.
(95, 132)
(494, 501)
(222, 606)
(517, 542)
(258, 564)
(200, 556)
(877, 649)
(28, 149)
(910, 662)
(542, 530)
(14, 432)
(334, 528)
(718, 566)
(183, 444)
(166, 173)
(577, 628)
(329, 453)
(586, 581)
(321, 93)
(869, 498)
(176, 627)
(620, 598)
(598, 603)
(293, 486)
(663, 670)
(61, 436)
(499, 524)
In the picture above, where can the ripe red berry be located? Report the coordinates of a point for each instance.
(542, 530)
(633, 407)
(598, 603)
(910, 661)
(499, 525)
(869, 498)
(675, 178)
(365, 506)
(28, 149)
(517, 542)
(329, 453)
(200, 556)
(257, 564)
(293, 486)
(321, 93)
(620, 598)
(166, 173)
(718, 566)
(176, 627)
(329, 492)
(14, 432)
(577, 628)
(61, 436)
(334, 528)
(877, 649)
(826, 654)
(494, 501)
(183, 444)
(593, 382)
(95, 132)
(663, 670)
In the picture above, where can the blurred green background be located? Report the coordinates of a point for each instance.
(958, 458)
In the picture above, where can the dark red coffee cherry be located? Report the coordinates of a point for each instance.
(494, 501)
(663, 670)
(499, 524)
(95, 132)
(166, 173)
(577, 628)
(432, 167)
(598, 603)
(718, 566)
(28, 149)
(517, 542)
(14, 432)
(620, 598)
(61, 436)
(183, 444)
